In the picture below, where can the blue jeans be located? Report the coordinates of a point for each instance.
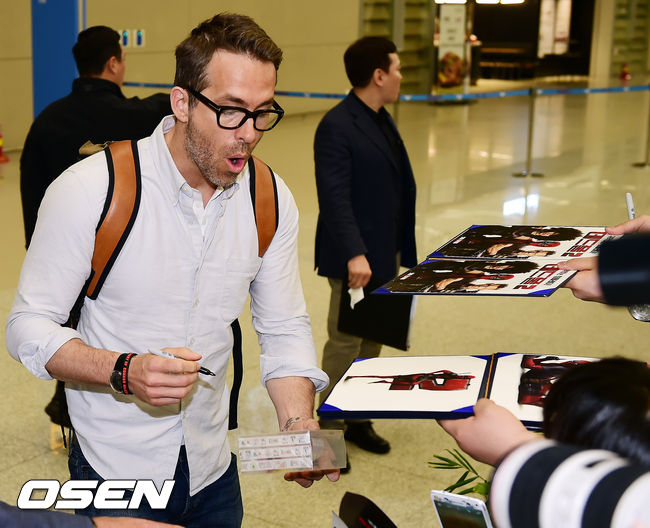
(217, 505)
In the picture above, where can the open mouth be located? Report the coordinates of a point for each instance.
(236, 163)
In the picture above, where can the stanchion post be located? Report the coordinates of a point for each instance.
(647, 144)
(529, 148)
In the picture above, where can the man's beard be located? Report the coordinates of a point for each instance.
(201, 151)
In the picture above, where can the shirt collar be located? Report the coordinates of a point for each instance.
(94, 85)
(377, 116)
(168, 171)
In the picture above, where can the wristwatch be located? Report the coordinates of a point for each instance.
(119, 379)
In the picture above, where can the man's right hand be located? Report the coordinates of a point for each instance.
(359, 272)
(161, 381)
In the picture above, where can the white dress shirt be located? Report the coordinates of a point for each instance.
(181, 278)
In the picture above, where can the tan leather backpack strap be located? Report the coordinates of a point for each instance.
(120, 210)
(264, 194)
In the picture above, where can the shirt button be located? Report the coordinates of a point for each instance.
(196, 303)
(191, 340)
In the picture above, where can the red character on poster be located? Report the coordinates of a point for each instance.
(440, 380)
(539, 374)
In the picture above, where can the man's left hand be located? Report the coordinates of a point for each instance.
(307, 478)
(490, 434)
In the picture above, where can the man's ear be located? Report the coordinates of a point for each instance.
(378, 77)
(112, 65)
(180, 102)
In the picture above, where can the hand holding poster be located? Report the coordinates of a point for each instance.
(446, 386)
(500, 260)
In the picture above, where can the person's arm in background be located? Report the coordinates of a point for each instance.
(490, 434)
(36, 174)
(12, 517)
(621, 273)
(537, 482)
(547, 484)
(129, 522)
(333, 161)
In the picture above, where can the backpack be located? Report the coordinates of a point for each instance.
(119, 214)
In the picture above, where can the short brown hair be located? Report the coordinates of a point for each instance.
(227, 31)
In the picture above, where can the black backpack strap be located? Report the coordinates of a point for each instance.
(264, 197)
(238, 373)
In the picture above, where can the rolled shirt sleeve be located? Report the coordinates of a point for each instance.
(56, 267)
(278, 305)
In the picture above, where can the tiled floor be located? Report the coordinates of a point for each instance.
(463, 157)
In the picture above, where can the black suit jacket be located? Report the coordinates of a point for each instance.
(355, 171)
(624, 270)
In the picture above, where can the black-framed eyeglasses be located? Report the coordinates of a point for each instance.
(231, 117)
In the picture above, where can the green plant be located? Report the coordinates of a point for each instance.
(469, 481)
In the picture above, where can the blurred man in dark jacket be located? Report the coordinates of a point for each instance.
(96, 111)
(366, 194)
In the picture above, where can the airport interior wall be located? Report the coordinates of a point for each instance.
(312, 35)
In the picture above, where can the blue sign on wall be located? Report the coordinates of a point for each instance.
(55, 25)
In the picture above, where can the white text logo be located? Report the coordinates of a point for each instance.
(79, 494)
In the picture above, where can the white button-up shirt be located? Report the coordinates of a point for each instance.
(181, 278)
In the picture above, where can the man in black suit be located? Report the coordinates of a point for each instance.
(366, 194)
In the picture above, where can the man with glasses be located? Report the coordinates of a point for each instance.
(181, 278)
